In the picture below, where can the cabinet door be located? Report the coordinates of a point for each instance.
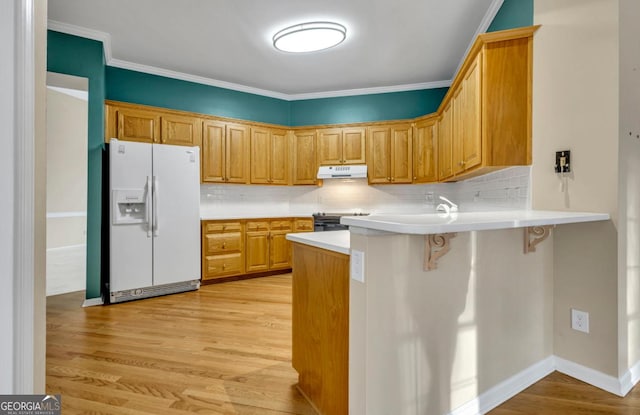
(138, 125)
(445, 170)
(180, 130)
(260, 156)
(257, 246)
(280, 250)
(424, 152)
(305, 167)
(353, 145)
(237, 154)
(458, 131)
(330, 146)
(379, 150)
(279, 163)
(472, 133)
(213, 152)
(400, 157)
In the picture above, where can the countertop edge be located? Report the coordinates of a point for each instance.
(464, 221)
(335, 241)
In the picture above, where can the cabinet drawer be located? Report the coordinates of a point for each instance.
(219, 265)
(257, 226)
(219, 227)
(281, 225)
(304, 225)
(223, 242)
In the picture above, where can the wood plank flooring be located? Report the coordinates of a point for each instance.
(225, 349)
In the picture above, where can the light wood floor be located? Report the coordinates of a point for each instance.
(225, 349)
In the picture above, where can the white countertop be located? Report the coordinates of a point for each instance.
(217, 216)
(434, 223)
(336, 241)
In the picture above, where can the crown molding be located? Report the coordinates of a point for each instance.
(486, 21)
(194, 78)
(105, 38)
(70, 29)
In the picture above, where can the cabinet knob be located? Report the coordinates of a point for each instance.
(388, 179)
(415, 178)
(461, 163)
(224, 266)
(393, 179)
(224, 245)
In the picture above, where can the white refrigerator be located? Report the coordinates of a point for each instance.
(154, 246)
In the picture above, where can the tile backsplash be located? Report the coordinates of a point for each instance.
(502, 190)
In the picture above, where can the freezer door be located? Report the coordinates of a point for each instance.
(130, 245)
(176, 213)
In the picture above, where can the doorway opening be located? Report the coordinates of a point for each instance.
(67, 132)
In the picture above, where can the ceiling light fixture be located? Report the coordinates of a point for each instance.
(309, 37)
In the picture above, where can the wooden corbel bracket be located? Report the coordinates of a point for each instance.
(435, 246)
(533, 235)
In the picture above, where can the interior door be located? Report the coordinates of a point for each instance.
(176, 213)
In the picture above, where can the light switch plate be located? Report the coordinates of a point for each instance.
(357, 265)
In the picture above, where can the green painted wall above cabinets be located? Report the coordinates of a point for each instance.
(512, 14)
(366, 108)
(73, 55)
(158, 91)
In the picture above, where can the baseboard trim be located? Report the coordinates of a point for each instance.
(520, 381)
(90, 302)
(507, 389)
(590, 376)
(630, 379)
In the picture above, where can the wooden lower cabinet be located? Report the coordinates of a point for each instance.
(222, 249)
(246, 246)
(320, 326)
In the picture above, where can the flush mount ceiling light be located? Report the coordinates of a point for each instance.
(309, 37)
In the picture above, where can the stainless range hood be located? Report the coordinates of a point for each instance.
(356, 171)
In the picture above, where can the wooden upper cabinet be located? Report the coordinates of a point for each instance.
(379, 160)
(490, 105)
(180, 130)
(304, 161)
(341, 146)
(269, 156)
(225, 152)
(353, 145)
(467, 142)
(213, 152)
(401, 153)
(445, 143)
(390, 148)
(425, 151)
(137, 125)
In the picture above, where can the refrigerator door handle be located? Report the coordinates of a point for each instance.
(147, 217)
(156, 188)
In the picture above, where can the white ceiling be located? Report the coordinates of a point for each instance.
(391, 44)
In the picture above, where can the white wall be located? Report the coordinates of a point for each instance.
(575, 107)
(629, 186)
(6, 201)
(430, 342)
(67, 119)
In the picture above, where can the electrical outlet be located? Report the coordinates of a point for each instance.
(357, 265)
(580, 320)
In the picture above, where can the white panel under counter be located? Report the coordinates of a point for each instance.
(336, 241)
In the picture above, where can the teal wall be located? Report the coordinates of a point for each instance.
(512, 14)
(364, 108)
(78, 56)
(141, 88)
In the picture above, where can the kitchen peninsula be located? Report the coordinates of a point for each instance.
(420, 336)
